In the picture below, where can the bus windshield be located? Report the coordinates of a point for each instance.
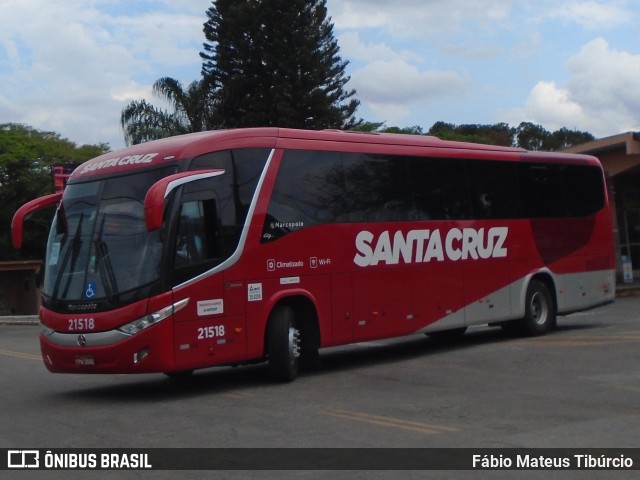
(99, 247)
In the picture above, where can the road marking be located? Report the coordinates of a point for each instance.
(28, 356)
(576, 343)
(389, 422)
(580, 340)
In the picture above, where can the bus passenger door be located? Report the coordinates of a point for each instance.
(210, 330)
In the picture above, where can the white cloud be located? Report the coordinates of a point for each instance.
(590, 14)
(353, 47)
(602, 77)
(72, 66)
(392, 88)
(417, 18)
(133, 91)
(553, 106)
(601, 95)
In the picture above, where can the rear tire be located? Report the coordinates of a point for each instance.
(540, 314)
(283, 345)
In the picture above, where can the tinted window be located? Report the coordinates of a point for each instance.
(242, 168)
(377, 189)
(552, 190)
(313, 187)
(493, 189)
(439, 188)
(542, 190)
(212, 212)
(584, 190)
(309, 190)
(199, 246)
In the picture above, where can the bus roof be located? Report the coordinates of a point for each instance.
(158, 152)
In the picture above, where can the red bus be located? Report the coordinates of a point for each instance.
(227, 247)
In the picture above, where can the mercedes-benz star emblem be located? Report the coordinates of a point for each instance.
(82, 340)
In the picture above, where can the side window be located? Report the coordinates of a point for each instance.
(561, 190)
(243, 168)
(584, 190)
(213, 212)
(309, 190)
(318, 187)
(493, 189)
(377, 188)
(542, 190)
(197, 248)
(440, 188)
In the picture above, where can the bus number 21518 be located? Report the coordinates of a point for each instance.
(212, 331)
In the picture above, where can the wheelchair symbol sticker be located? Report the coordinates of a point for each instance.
(90, 291)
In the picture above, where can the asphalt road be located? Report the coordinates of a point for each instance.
(578, 387)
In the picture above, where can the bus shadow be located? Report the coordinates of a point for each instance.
(373, 353)
(406, 348)
(154, 388)
(233, 381)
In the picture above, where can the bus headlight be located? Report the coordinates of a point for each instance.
(140, 324)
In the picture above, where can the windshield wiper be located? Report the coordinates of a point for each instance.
(72, 253)
(104, 265)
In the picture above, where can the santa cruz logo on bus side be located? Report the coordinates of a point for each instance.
(421, 246)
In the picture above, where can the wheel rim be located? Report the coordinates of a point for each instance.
(539, 308)
(294, 344)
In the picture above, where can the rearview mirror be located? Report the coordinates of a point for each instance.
(17, 224)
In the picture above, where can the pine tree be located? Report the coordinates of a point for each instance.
(276, 63)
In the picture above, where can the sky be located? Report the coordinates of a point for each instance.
(71, 66)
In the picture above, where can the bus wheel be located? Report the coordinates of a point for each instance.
(540, 314)
(283, 345)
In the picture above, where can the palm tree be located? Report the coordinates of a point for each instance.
(192, 107)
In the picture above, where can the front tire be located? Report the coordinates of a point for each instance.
(283, 345)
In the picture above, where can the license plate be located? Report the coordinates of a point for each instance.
(85, 360)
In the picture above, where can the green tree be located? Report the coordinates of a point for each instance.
(535, 137)
(26, 157)
(192, 112)
(276, 63)
(527, 135)
(531, 136)
(368, 127)
(565, 138)
(380, 127)
(498, 134)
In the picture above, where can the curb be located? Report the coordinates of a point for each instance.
(629, 290)
(20, 320)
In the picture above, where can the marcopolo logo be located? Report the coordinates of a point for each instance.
(422, 246)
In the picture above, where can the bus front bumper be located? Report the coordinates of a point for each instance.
(113, 351)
